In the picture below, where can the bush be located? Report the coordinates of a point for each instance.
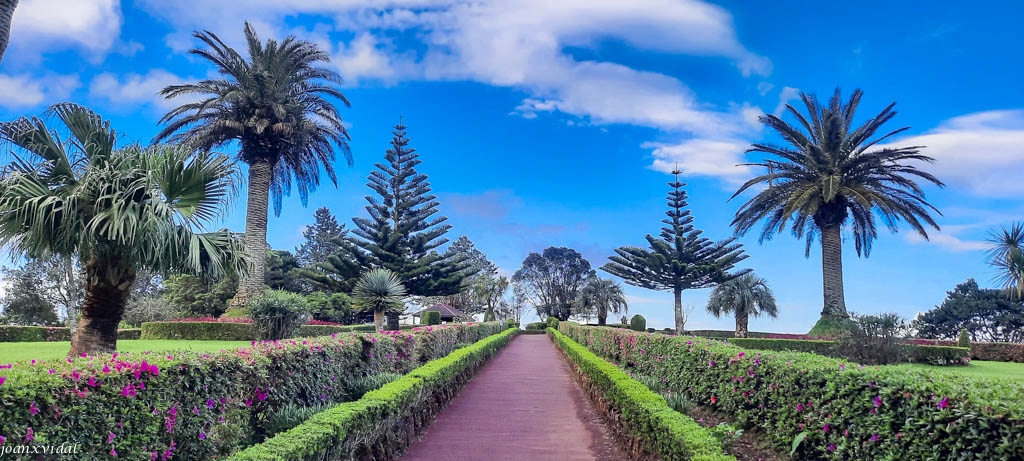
(129, 333)
(963, 340)
(363, 384)
(446, 338)
(874, 339)
(277, 314)
(150, 401)
(536, 326)
(431, 318)
(551, 322)
(200, 331)
(334, 307)
(872, 412)
(20, 334)
(934, 355)
(638, 323)
(830, 327)
(289, 416)
(383, 421)
(307, 331)
(937, 355)
(643, 414)
(511, 323)
(617, 325)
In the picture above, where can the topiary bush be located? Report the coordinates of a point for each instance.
(830, 327)
(551, 322)
(200, 331)
(638, 323)
(431, 318)
(511, 323)
(278, 314)
(19, 334)
(533, 326)
(964, 340)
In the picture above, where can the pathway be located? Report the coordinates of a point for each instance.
(525, 404)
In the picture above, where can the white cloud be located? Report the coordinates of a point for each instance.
(134, 89)
(703, 157)
(981, 152)
(764, 87)
(42, 25)
(364, 57)
(785, 96)
(26, 91)
(946, 240)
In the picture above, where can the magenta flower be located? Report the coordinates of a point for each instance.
(878, 401)
(711, 364)
(33, 361)
(106, 368)
(202, 435)
(33, 409)
(2, 439)
(842, 366)
(30, 435)
(110, 437)
(943, 403)
(874, 437)
(209, 403)
(831, 447)
(92, 381)
(799, 407)
(2, 380)
(113, 452)
(52, 371)
(741, 354)
(825, 429)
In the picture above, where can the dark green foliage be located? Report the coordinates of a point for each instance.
(638, 323)
(194, 296)
(334, 307)
(536, 326)
(402, 232)
(200, 331)
(875, 339)
(289, 416)
(278, 314)
(744, 297)
(383, 421)
(933, 355)
(551, 322)
(619, 325)
(553, 279)
(19, 334)
(937, 355)
(679, 258)
(431, 318)
(826, 348)
(1006, 255)
(726, 434)
(511, 323)
(23, 302)
(320, 239)
(641, 412)
(283, 272)
(363, 384)
(148, 309)
(987, 314)
(963, 339)
(915, 414)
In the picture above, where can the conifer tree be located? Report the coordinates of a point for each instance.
(679, 258)
(320, 239)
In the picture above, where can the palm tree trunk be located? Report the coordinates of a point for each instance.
(102, 309)
(252, 283)
(602, 316)
(6, 14)
(832, 273)
(378, 320)
(680, 321)
(742, 318)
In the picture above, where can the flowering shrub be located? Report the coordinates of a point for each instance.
(443, 339)
(322, 322)
(847, 411)
(189, 405)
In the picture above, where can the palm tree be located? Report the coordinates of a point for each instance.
(603, 297)
(1006, 254)
(830, 175)
(380, 291)
(275, 104)
(6, 14)
(119, 211)
(745, 296)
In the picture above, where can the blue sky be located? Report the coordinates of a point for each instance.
(554, 123)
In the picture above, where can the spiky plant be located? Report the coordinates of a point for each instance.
(1006, 255)
(744, 297)
(380, 291)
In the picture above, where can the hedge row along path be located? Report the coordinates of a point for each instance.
(524, 404)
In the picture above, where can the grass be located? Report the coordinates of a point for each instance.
(17, 352)
(978, 368)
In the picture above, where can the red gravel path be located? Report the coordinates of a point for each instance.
(523, 405)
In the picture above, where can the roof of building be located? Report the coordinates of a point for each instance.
(444, 309)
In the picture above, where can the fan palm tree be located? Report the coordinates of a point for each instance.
(834, 174)
(276, 104)
(745, 296)
(6, 15)
(118, 211)
(380, 291)
(602, 297)
(1006, 254)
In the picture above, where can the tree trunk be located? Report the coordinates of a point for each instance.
(392, 318)
(6, 15)
(102, 309)
(742, 318)
(832, 273)
(252, 283)
(378, 320)
(680, 321)
(602, 318)
(489, 314)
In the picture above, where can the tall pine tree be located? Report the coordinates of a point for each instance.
(402, 232)
(679, 259)
(320, 239)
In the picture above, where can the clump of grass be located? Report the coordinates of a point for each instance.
(678, 402)
(655, 384)
(289, 416)
(362, 385)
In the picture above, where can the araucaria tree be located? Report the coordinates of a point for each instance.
(744, 297)
(834, 174)
(552, 280)
(118, 211)
(679, 258)
(320, 239)
(276, 102)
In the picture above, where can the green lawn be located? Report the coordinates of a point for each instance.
(16, 352)
(979, 368)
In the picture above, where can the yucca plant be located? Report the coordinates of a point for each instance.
(380, 291)
(118, 211)
(1006, 254)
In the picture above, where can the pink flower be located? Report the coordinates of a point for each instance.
(129, 391)
(874, 437)
(711, 364)
(106, 368)
(202, 435)
(799, 407)
(52, 371)
(33, 409)
(91, 382)
(2, 380)
(113, 452)
(943, 403)
(30, 435)
(209, 403)
(2, 439)
(878, 401)
(741, 354)
(110, 437)
(831, 447)
(33, 361)
(825, 429)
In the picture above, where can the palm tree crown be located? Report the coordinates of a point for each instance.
(601, 297)
(1006, 254)
(117, 210)
(745, 296)
(832, 171)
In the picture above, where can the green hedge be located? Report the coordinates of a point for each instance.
(645, 415)
(204, 404)
(541, 326)
(870, 412)
(381, 424)
(307, 331)
(638, 323)
(995, 352)
(431, 318)
(20, 334)
(934, 355)
(200, 331)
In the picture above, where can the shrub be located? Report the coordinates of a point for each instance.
(964, 340)
(383, 421)
(277, 314)
(551, 322)
(726, 434)
(536, 326)
(363, 384)
(871, 412)
(874, 339)
(289, 416)
(204, 404)
(511, 323)
(334, 307)
(641, 413)
(129, 333)
(431, 318)
(200, 331)
(307, 331)
(20, 334)
(638, 323)
(830, 327)
(446, 338)
(934, 355)
(617, 325)
(678, 402)
(147, 309)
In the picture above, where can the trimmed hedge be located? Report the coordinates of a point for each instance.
(431, 318)
(638, 323)
(650, 424)
(537, 326)
(200, 331)
(934, 355)
(382, 423)
(197, 405)
(846, 411)
(20, 334)
(995, 352)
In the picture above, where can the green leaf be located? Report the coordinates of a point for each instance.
(796, 442)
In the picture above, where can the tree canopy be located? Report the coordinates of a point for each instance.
(552, 280)
(988, 315)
